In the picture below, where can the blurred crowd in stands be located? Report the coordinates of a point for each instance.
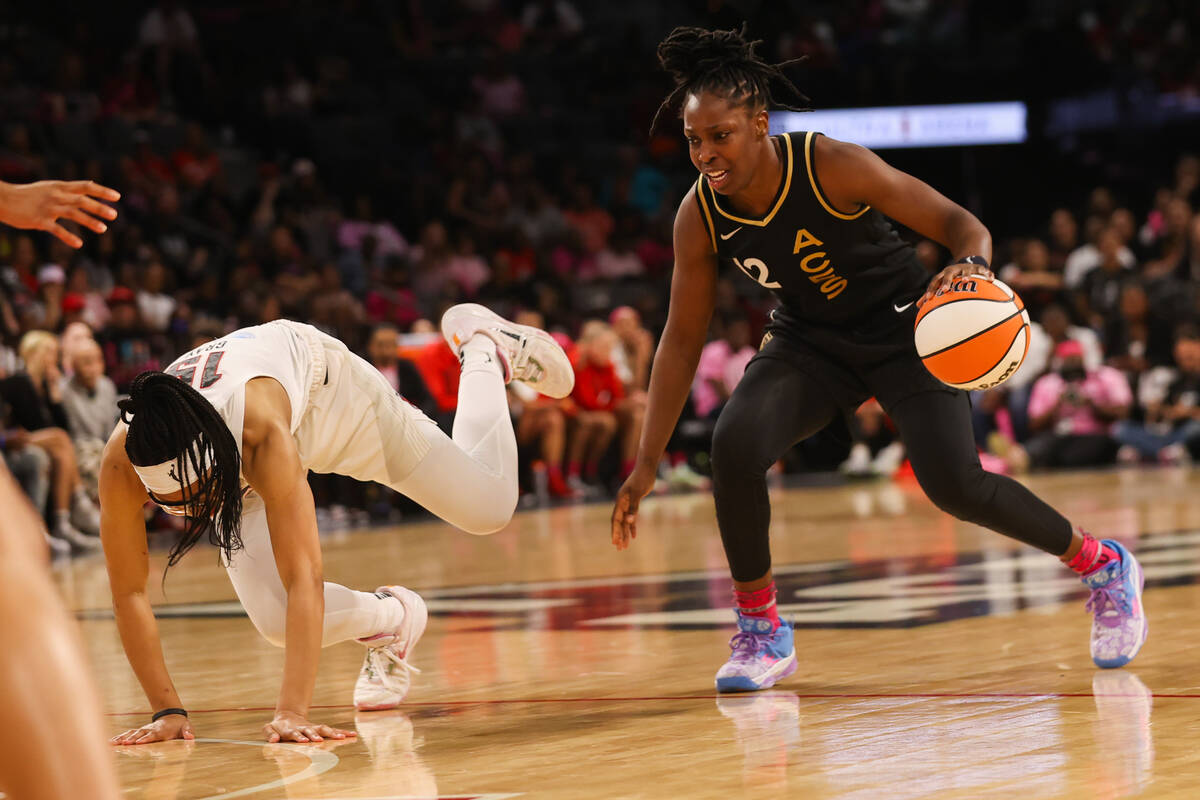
(363, 165)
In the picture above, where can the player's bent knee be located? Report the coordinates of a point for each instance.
(486, 516)
(733, 450)
(959, 493)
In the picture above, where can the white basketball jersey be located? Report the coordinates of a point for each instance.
(220, 369)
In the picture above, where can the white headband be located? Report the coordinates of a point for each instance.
(161, 479)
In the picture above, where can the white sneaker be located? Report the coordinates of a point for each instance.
(859, 462)
(84, 514)
(74, 537)
(58, 547)
(888, 460)
(528, 354)
(386, 675)
(684, 477)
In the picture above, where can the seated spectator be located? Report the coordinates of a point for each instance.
(1099, 293)
(89, 398)
(1170, 399)
(127, 345)
(74, 336)
(592, 222)
(1032, 278)
(1072, 411)
(597, 395)
(1135, 339)
(1063, 238)
(392, 300)
(542, 421)
(466, 268)
(51, 282)
(383, 351)
(1008, 403)
(635, 347)
(722, 364)
(1105, 244)
(154, 301)
(34, 398)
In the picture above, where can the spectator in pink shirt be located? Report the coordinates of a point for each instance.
(1072, 411)
(722, 362)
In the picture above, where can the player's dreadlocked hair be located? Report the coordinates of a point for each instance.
(167, 416)
(723, 62)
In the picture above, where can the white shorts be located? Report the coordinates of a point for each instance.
(356, 424)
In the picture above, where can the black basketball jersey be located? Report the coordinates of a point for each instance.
(827, 268)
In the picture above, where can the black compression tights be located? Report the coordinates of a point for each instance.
(775, 406)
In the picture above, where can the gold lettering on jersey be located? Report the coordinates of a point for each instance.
(816, 265)
(804, 239)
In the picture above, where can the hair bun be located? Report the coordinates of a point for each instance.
(128, 408)
(689, 51)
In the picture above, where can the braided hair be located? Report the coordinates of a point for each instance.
(165, 415)
(722, 62)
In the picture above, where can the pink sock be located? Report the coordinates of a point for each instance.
(758, 604)
(1092, 556)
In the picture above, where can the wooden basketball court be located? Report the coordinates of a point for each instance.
(937, 660)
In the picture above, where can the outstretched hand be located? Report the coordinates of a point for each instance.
(172, 726)
(952, 273)
(39, 206)
(289, 726)
(624, 516)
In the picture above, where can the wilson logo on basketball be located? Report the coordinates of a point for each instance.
(1012, 367)
(960, 285)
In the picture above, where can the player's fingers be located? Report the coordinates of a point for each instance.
(312, 734)
(67, 238)
(95, 190)
(86, 220)
(95, 207)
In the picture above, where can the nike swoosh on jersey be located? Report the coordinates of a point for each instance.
(903, 308)
(726, 236)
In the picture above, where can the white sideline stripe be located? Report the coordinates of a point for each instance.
(319, 761)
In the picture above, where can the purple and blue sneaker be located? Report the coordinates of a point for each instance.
(1119, 622)
(760, 657)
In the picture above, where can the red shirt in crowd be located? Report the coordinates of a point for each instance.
(440, 369)
(597, 387)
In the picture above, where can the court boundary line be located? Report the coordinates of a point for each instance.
(714, 696)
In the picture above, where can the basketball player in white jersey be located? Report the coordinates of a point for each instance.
(226, 436)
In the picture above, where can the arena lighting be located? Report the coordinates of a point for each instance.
(950, 125)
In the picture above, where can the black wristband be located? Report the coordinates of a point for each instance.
(978, 261)
(166, 712)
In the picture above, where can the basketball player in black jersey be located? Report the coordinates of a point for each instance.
(808, 217)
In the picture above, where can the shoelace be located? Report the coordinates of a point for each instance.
(1107, 598)
(524, 367)
(746, 645)
(376, 657)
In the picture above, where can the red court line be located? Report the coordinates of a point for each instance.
(858, 696)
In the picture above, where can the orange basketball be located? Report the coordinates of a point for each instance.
(973, 334)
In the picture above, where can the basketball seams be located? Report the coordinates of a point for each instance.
(1003, 356)
(928, 307)
(974, 335)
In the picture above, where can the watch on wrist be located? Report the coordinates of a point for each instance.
(978, 261)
